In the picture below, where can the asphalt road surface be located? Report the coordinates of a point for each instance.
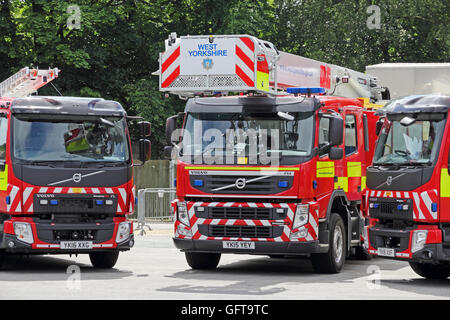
(154, 269)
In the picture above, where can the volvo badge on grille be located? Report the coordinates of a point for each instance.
(240, 183)
(76, 177)
(389, 180)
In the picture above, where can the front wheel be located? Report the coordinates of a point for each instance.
(200, 260)
(104, 260)
(334, 259)
(431, 271)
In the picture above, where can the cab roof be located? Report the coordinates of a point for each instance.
(258, 104)
(417, 104)
(67, 106)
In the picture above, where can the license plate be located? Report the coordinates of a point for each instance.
(238, 245)
(386, 252)
(76, 245)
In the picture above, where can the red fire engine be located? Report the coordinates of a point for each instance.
(66, 172)
(409, 185)
(270, 172)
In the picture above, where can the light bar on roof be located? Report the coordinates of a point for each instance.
(305, 90)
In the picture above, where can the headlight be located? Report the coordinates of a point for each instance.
(183, 231)
(418, 240)
(300, 234)
(123, 232)
(23, 232)
(183, 216)
(301, 216)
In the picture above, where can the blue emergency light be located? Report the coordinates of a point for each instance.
(434, 207)
(283, 184)
(305, 90)
(198, 183)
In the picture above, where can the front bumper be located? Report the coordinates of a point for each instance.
(24, 248)
(261, 247)
(401, 241)
(45, 241)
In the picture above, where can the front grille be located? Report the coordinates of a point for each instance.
(239, 231)
(71, 203)
(387, 209)
(55, 231)
(77, 203)
(73, 235)
(226, 184)
(240, 213)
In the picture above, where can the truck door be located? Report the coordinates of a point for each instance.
(444, 188)
(3, 165)
(353, 152)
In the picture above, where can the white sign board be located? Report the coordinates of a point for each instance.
(200, 57)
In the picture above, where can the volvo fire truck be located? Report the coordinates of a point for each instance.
(66, 172)
(409, 185)
(273, 151)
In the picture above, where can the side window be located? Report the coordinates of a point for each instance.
(351, 142)
(324, 125)
(3, 133)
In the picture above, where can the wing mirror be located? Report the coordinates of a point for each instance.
(378, 127)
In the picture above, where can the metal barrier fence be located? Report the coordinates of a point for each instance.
(154, 205)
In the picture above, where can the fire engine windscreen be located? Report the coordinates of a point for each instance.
(95, 139)
(247, 138)
(416, 143)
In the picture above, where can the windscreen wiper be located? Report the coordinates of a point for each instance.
(387, 164)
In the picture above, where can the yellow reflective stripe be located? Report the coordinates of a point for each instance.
(363, 183)
(353, 169)
(262, 81)
(4, 179)
(342, 183)
(367, 104)
(244, 168)
(325, 169)
(445, 183)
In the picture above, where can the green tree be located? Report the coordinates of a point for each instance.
(116, 49)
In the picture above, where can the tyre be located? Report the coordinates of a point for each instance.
(333, 260)
(431, 271)
(104, 260)
(362, 254)
(203, 261)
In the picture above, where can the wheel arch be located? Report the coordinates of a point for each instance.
(338, 204)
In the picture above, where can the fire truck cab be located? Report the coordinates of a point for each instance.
(266, 172)
(66, 172)
(409, 185)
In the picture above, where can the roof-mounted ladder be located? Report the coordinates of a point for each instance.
(26, 82)
(206, 65)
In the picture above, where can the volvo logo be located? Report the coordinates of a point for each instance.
(240, 183)
(389, 180)
(76, 177)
